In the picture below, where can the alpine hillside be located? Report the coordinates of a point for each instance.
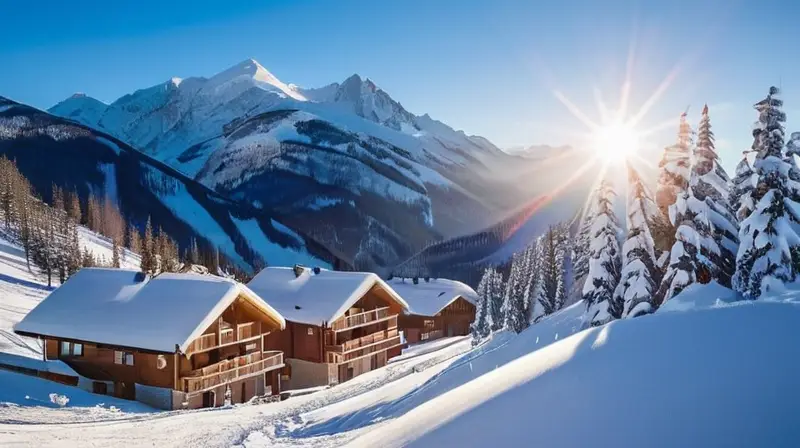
(345, 163)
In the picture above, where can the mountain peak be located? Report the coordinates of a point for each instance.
(77, 95)
(252, 69)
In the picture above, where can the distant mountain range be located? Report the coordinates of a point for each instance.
(52, 151)
(344, 165)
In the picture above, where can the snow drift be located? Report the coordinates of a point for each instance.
(725, 376)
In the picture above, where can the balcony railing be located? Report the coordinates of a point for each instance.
(229, 370)
(335, 357)
(227, 335)
(356, 344)
(248, 330)
(361, 319)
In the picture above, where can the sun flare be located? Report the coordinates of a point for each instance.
(615, 141)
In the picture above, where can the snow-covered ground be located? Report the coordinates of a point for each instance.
(702, 371)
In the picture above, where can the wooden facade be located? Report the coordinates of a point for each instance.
(362, 339)
(228, 361)
(453, 320)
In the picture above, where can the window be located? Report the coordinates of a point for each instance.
(77, 349)
(123, 358)
(64, 349)
(310, 331)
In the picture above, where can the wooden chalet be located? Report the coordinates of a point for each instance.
(436, 308)
(173, 341)
(338, 324)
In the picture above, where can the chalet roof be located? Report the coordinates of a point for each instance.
(315, 298)
(428, 298)
(128, 309)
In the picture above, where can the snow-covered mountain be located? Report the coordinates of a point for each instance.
(90, 162)
(344, 162)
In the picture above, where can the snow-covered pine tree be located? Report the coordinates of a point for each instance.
(769, 252)
(710, 185)
(562, 253)
(514, 306)
(497, 293)
(792, 150)
(673, 180)
(481, 326)
(604, 262)
(741, 187)
(638, 281)
(580, 245)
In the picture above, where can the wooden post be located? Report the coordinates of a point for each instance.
(176, 370)
(44, 348)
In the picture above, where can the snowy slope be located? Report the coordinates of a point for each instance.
(678, 379)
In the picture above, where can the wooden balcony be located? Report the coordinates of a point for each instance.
(359, 348)
(227, 335)
(365, 318)
(232, 369)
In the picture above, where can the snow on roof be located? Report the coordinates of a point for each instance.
(315, 299)
(125, 308)
(428, 298)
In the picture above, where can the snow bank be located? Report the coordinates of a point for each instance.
(23, 390)
(720, 377)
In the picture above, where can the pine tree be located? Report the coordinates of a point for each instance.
(481, 326)
(673, 180)
(580, 246)
(549, 289)
(93, 214)
(604, 264)
(716, 219)
(58, 198)
(496, 306)
(793, 150)
(638, 281)
(741, 187)
(769, 252)
(115, 249)
(148, 264)
(134, 240)
(74, 207)
(515, 316)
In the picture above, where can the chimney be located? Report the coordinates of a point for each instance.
(298, 270)
(317, 270)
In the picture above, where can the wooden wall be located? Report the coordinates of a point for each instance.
(98, 363)
(296, 342)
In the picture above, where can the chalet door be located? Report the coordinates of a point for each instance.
(125, 390)
(209, 399)
(244, 391)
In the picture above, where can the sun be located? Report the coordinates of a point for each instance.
(615, 141)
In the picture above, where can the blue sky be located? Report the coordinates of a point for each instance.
(489, 68)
